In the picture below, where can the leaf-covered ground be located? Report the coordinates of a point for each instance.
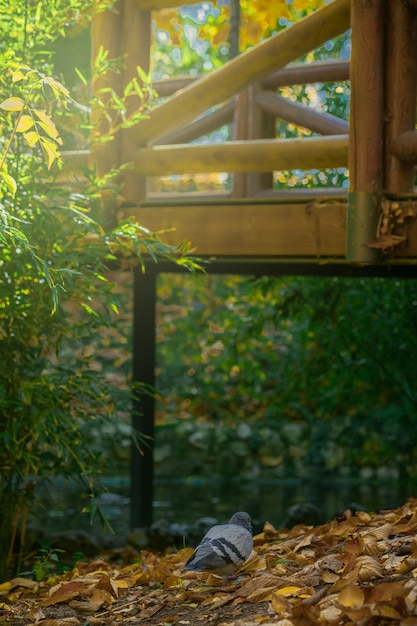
(361, 569)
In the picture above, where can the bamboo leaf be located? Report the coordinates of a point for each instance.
(18, 75)
(24, 124)
(9, 182)
(81, 76)
(31, 138)
(46, 123)
(12, 104)
(49, 150)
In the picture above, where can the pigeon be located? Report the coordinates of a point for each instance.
(224, 548)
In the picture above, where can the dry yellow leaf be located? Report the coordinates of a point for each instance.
(329, 577)
(330, 614)
(367, 568)
(351, 597)
(280, 604)
(291, 590)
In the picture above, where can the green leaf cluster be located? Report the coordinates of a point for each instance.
(57, 299)
(288, 377)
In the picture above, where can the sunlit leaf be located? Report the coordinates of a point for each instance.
(31, 138)
(351, 597)
(9, 181)
(25, 122)
(49, 150)
(47, 123)
(12, 104)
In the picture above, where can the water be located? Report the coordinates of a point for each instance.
(59, 505)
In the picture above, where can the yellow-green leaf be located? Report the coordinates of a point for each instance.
(10, 182)
(12, 104)
(24, 124)
(31, 138)
(47, 123)
(18, 75)
(50, 151)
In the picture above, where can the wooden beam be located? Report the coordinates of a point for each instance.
(289, 194)
(204, 125)
(265, 155)
(158, 5)
(404, 147)
(294, 74)
(311, 229)
(168, 86)
(301, 115)
(302, 73)
(401, 78)
(241, 72)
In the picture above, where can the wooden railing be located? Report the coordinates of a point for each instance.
(378, 146)
(241, 93)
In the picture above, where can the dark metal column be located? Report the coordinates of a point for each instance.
(141, 465)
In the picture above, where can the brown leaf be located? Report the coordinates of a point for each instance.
(280, 604)
(107, 584)
(351, 597)
(386, 241)
(62, 621)
(65, 593)
(367, 568)
(101, 598)
(6, 587)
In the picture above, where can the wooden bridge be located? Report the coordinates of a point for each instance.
(367, 229)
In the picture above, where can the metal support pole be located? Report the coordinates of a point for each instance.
(141, 465)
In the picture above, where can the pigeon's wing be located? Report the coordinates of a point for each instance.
(225, 546)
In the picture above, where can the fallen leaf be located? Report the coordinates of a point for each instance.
(351, 597)
(386, 241)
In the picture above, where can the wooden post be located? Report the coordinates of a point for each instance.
(240, 133)
(141, 463)
(136, 41)
(366, 122)
(261, 125)
(401, 85)
(106, 33)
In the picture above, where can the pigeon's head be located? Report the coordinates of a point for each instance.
(241, 519)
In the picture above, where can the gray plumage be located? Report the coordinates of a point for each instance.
(224, 548)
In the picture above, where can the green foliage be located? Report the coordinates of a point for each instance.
(48, 563)
(56, 296)
(288, 376)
